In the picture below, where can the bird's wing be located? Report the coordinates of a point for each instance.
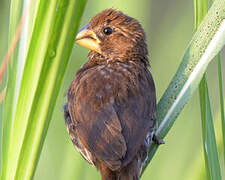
(101, 135)
(74, 137)
(112, 113)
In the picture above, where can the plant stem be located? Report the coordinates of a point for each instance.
(220, 77)
(208, 40)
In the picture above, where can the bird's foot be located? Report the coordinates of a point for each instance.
(157, 140)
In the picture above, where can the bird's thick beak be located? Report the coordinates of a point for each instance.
(88, 39)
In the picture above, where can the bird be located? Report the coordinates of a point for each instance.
(110, 112)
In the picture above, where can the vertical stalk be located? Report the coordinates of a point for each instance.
(206, 43)
(209, 141)
(220, 77)
(9, 103)
(28, 110)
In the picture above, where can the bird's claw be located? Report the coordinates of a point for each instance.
(157, 140)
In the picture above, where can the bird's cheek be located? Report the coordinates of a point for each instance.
(107, 50)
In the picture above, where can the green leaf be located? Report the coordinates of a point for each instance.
(201, 8)
(55, 27)
(208, 40)
(9, 103)
(209, 139)
(220, 77)
(197, 168)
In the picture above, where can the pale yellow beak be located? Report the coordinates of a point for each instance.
(88, 39)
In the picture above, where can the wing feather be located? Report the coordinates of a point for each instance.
(113, 110)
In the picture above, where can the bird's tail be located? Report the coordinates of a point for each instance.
(130, 172)
(133, 170)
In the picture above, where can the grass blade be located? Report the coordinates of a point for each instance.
(209, 140)
(201, 8)
(9, 104)
(208, 40)
(55, 26)
(220, 77)
(197, 168)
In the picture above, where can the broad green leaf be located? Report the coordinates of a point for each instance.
(55, 26)
(208, 40)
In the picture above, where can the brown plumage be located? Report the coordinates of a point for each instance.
(111, 110)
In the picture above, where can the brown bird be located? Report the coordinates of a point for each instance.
(111, 110)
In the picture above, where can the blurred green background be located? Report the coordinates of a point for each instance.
(169, 26)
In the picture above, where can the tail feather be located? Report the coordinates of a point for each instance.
(130, 172)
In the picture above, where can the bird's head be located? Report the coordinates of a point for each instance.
(115, 36)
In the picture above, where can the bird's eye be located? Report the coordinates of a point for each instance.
(107, 31)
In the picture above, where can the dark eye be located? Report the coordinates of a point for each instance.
(107, 31)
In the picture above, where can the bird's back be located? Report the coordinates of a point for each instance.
(113, 108)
